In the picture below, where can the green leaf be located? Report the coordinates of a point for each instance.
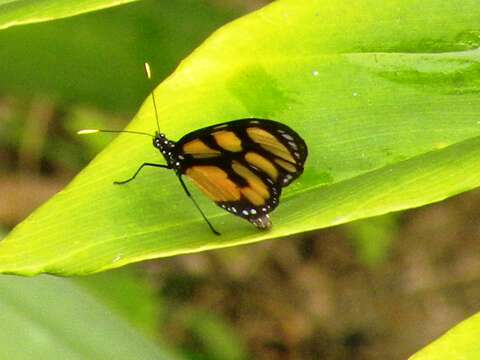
(87, 69)
(372, 238)
(129, 294)
(386, 95)
(52, 318)
(216, 339)
(19, 12)
(460, 342)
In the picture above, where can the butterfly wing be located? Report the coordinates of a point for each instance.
(267, 142)
(242, 165)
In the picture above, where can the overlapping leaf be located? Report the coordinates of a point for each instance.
(18, 12)
(460, 342)
(52, 318)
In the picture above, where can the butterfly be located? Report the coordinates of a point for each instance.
(241, 165)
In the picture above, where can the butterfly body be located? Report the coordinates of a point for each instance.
(168, 149)
(241, 165)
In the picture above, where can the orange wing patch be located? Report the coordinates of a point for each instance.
(263, 164)
(269, 143)
(286, 165)
(257, 192)
(198, 149)
(214, 183)
(252, 196)
(228, 140)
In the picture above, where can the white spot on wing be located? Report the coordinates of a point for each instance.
(292, 145)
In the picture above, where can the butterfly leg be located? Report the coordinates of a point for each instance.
(138, 170)
(196, 205)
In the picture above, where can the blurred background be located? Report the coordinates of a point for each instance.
(375, 289)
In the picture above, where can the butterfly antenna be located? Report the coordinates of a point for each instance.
(148, 74)
(94, 131)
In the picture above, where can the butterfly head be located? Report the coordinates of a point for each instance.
(159, 140)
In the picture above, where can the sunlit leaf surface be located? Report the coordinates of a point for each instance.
(460, 342)
(18, 12)
(386, 95)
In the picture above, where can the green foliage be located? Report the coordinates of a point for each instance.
(18, 12)
(129, 295)
(216, 339)
(53, 318)
(385, 94)
(97, 59)
(460, 342)
(372, 238)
